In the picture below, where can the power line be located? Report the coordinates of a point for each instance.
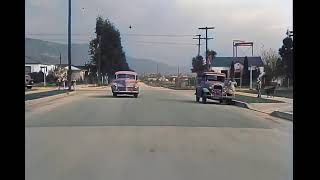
(65, 39)
(156, 42)
(199, 37)
(148, 42)
(56, 34)
(160, 35)
(86, 34)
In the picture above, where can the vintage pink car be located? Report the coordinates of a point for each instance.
(125, 82)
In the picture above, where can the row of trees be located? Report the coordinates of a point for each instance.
(106, 49)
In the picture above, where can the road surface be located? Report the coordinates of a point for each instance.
(163, 134)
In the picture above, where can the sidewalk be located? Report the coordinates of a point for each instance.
(270, 108)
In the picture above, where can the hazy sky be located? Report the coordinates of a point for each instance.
(262, 21)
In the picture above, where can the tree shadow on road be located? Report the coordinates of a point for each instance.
(189, 101)
(110, 96)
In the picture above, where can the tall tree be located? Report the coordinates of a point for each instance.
(197, 65)
(245, 72)
(232, 70)
(112, 57)
(279, 68)
(286, 53)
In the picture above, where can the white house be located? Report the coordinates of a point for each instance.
(32, 65)
(35, 65)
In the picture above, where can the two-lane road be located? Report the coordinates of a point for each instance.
(163, 134)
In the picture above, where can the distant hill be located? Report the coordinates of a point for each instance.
(48, 52)
(150, 66)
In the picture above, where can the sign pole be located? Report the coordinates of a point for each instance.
(250, 77)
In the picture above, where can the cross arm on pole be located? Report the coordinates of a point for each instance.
(202, 38)
(207, 28)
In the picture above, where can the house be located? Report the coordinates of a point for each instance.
(78, 72)
(36, 65)
(222, 64)
(172, 78)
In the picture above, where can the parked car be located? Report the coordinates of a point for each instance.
(213, 85)
(125, 82)
(28, 82)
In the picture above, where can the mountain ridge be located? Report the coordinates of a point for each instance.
(49, 52)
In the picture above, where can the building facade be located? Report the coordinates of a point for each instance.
(223, 65)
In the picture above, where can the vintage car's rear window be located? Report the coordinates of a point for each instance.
(127, 76)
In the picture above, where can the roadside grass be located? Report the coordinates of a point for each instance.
(169, 86)
(278, 93)
(43, 94)
(47, 85)
(250, 99)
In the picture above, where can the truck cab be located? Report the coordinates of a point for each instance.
(213, 85)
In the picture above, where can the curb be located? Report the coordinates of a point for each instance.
(283, 115)
(241, 104)
(49, 98)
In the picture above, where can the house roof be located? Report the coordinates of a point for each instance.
(72, 67)
(226, 61)
(221, 62)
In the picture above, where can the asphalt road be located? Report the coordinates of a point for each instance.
(163, 134)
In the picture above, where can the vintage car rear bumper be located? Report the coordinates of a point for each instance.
(125, 90)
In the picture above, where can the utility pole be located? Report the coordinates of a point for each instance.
(60, 59)
(99, 61)
(157, 69)
(69, 47)
(178, 70)
(199, 37)
(44, 74)
(250, 77)
(206, 28)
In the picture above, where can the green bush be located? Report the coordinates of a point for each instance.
(51, 78)
(37, 77)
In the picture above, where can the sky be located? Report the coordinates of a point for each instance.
(264, 22)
